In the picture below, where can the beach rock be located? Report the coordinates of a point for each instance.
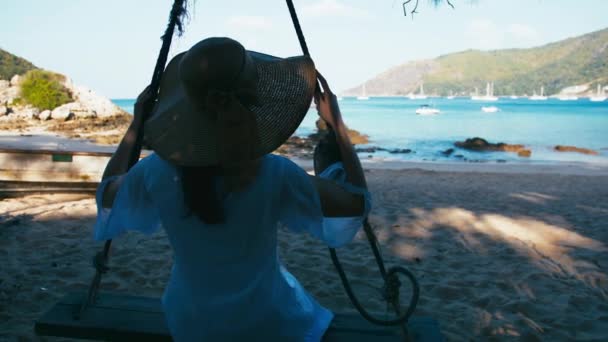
(562, 148)
(15, 80)
(370, 149)
(89, 103)
(321, 124)
(524, 153)
(63, 111)
(400, 151)
(357, 138)
(45, 115)
(448, 152)
(8, 95)
(23, 112)
(479, 144)
(3, 110)
(4, 84)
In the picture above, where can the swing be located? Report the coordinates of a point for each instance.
(118, 317)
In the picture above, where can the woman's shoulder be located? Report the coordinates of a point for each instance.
(154, 169)
(278, 164)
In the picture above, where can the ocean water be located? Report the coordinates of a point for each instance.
(391, 123)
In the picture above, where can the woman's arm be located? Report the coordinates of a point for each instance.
(335, 200)
(119, 163)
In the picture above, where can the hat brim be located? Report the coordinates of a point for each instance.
(179, 132)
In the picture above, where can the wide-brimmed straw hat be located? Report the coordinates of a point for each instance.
(221, 104)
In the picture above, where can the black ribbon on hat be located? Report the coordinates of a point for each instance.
(237, 132)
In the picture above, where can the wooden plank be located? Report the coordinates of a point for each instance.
(116, 317)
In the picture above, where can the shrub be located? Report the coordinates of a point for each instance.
(44, 89)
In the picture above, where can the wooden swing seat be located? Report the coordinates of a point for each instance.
(117, 317)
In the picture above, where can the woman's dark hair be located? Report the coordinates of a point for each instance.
(201, 194)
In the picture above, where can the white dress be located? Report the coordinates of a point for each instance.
(227, 283)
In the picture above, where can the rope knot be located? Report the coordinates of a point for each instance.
(391, 288)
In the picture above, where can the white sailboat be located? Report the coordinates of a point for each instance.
(540, 97)
(364, 96)
(420, 96)
(451, 96)
(513, 97)
(427, 110)
(490, 109)
(489, 94)
(600, 96)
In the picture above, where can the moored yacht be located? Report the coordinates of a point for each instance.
(427, 110)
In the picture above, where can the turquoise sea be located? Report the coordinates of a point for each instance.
(391, 123)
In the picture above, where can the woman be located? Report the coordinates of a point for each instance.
(220, 196)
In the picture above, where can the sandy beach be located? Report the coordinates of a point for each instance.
(519, 255)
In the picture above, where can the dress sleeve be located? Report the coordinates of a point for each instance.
(132, 209)
(301, 206)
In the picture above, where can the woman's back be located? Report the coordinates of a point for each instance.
(226, 278)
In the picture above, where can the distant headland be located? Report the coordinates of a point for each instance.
(573, 66)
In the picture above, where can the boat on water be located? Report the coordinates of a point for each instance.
(427, 110)
(489, 94)
(451, 97)
(567, 98)
(420, 96)
(513, 97)
(600, 96)
(540, 97)
(364, 96)
(490, 109)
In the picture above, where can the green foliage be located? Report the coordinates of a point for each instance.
(573, 61)
(44, 89)
(11, 65)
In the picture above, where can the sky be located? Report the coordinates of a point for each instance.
(111, 46)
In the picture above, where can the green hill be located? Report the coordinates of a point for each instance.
(581, 60)
(11, 65)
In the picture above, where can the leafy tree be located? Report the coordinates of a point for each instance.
(44, 89)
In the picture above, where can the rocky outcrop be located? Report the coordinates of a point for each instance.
(481, 145)
(374, 149)
(86, 103)
(562, 148)
(356, 138)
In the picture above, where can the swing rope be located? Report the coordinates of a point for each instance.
(391, 280)
(178, 12)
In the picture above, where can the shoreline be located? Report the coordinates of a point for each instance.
(41, 140)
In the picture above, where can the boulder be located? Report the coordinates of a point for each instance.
(524, 153)
(8, 95)
(448, 152)
(356, 138)
(400, 151)
(90, 103)
(562, 148)
(45, 115)
(4, 84)
(3, 110)
(369, 149)
(479, 144)
(63, 112)
(15, 80)
(24, 112)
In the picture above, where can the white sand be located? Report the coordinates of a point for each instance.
(498, 255)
